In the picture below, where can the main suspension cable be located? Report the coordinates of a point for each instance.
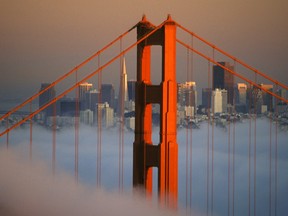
(83, 80)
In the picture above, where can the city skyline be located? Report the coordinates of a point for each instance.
(237, 152)
(32, 58)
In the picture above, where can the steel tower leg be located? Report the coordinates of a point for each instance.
(163, 155)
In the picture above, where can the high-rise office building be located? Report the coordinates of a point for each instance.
(91, 99)
(281, 93)
(241, 92)
(123, 89)
(83, 89)
(46, 97)
(187, 94)
(223, 79)
(87, 117)
(131, 90)
(279, 105)
(69, 107)
(206, 97)
(108, 94)
(255, 103)
(219, 100)
(241, 97)
(266, 97)
(106, 113)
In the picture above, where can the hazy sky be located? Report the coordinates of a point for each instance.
(41, 40)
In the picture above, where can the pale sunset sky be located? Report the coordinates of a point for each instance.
(41, 40)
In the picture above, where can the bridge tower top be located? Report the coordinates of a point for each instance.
(163, 155)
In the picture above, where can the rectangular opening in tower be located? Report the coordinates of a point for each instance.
(156, 64)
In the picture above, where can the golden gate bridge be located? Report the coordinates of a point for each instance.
(164, 155)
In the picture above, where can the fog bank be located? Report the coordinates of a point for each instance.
(29, 189)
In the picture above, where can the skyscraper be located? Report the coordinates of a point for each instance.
(241, 97)
(219, 100)
(91, 99)
(68, 107)
(106, 113)
(45, 97)
(131, 90)
(241, 93)
(267, 98)
(108, 94)
(206, 98)
(187, 94)
(123, 89)
(83, 89)
(123, 80)
(223, 79)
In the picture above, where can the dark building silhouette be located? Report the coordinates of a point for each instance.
(83, 89)
(108, 94)
(91, 99)
(46, 97)
(68, 107)
(206, 98)
(187, 94)
(267, 98)
(222, 79)
(131, 90)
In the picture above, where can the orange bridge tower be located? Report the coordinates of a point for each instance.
(163, 155)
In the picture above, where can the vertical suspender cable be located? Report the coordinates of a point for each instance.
(122, 133)
(233, 150)
(270, 165)
(212, 186)
(249, 150)
(191, 132)
(76, 127)
(255, 154)
(208, 151)
(186, 169)
(99, 128)
(233, 164)
(31, 135)
(7, 135)
(187, 141)
(121, 122)
(276, 161)
(54, 124)
(229, 159)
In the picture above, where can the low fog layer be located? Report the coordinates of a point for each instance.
(59, 194)
(29, 189)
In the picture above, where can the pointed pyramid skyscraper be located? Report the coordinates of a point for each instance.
(124, 80)
(123, 89)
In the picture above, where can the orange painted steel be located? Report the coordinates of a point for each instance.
(276, 82)
(54, 127)
(121, 129)
(66, 75)
(234, 73)
(76, 127)
(99, 130)
(31, 115)
(164, 155)
(31, 134)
